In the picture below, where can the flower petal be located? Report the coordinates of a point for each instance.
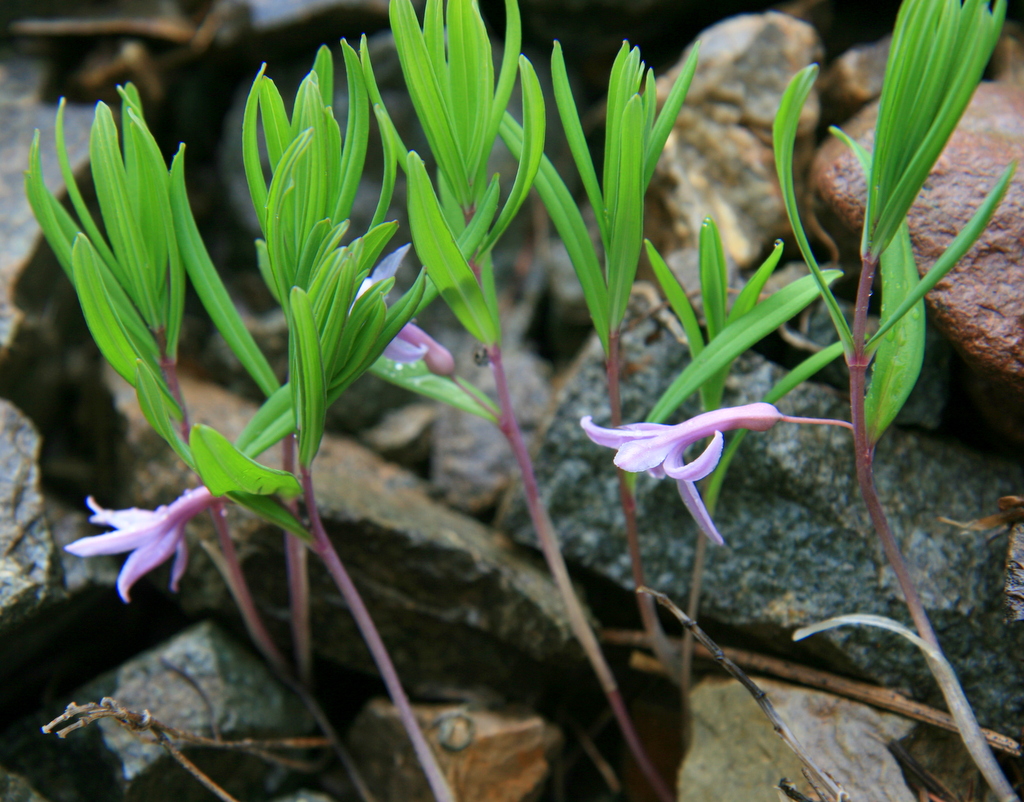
(144, 559)
(695, 504)
(398, 350)
(385, 269)
(615, 438)
(118, 541)
(698, 468)
(180, 561)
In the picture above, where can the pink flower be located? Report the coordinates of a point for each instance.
(412, 343)
(151, 536)
(658, 448)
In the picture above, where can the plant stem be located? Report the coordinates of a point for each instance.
(864, 452)
(556, 563)
(298, 581)
(326, 551)
(648, 609)
(242, 595)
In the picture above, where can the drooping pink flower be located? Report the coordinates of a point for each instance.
(412, 343)
(151, 536)
(658, 448)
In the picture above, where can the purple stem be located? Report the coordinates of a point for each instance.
(864, 452)
(627, 499)
(556, 563)
(296, 561)
(325, 550)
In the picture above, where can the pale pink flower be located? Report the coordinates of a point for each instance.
(151, 536)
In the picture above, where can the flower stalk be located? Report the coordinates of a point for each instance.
(548, 540)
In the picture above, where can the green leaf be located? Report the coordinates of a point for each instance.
(415, 377)
(787, 119)
(103, 322)
(357, 131)
(507, 73)
(392, 152)
(714, 277)
(669, 112)
(445, 264)
(569, 114)
(210, 289)
(956, 250)
(677, 299)
(470, 80)
(323, 66)
(272, 421)
(277, 130)
(251, 161)
(429, 97)
(133, 269)
(751, 292)
(58, 226)
(897, 362)
(565, 214)
(625, 209)
(736, 338)
(532, 152)
(159, 407)
(224, 469)
(306, 369)
(272, 510)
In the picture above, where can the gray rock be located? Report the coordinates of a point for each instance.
(853, 79)
(200, 681)
(736, 755)
(455, 601)
(30, 577)
(800, 545)
(718, 160)
(22, 111)
(14, 788)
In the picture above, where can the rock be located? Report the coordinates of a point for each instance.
(456, 601)
(200, 681)
(718, 160)
(978, 305)
(472, 462)
(487, 755)
(853, 80)
(29, 566)
(14, 788)
(800, 544)
(403, 435)
(737, 755)
(22, 111)
(1013, 590)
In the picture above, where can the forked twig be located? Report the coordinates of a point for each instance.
(143, 724)
(822, 782)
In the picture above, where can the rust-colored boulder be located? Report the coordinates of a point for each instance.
(979, 305)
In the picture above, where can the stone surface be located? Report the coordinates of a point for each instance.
(718, 159)
(14, 788)
(457, 601)
(800, 546)
(979, 305)
(30, 573)
(106, 762)
(737, 755)
(22, 111)
(487, 755)
(853, 80)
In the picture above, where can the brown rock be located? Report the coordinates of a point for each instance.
(979, 305)
(487, 755)
(718, 160)
(853, 79)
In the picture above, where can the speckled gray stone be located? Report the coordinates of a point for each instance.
(799, 547)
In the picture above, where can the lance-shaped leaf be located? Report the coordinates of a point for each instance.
(251, 161)
(784, 129)
(669, 112)
(677, 299)
(445, 264)
(104, 324)
(751, 292)
(208, 285)
(624, 189)
(897, 362)
(357, 132)
(224, 469)
(714, 277)
(270, 509)
(272, 421)
(736, 338)
(414, 376)
(938, 54)
(159, 408)
(306, 369)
